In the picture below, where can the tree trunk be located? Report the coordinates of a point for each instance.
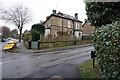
(20, 35)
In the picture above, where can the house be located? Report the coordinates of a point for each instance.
(62, 22)
(87, 29)
(26, 31)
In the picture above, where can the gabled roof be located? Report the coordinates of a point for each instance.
(65, 16)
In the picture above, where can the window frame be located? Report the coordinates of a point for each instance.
(69, 24)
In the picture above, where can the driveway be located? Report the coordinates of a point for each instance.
(18, 65)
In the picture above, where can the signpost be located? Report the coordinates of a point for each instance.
(93, 56)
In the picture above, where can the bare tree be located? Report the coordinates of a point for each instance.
(0, 11)
(14, 33)
(18, 15)
(5, 31)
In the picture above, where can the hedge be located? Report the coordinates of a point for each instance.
(107, 46)
(87, 37)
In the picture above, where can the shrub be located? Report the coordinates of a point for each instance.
(87, 37)
(37, 30)
(102, 13)
(107, 46)
(27, 37)
(35, 35)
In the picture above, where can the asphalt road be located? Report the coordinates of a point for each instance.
(18, 65)
(2, 45)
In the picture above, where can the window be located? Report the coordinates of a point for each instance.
(45, 25)
(77, 25)
(77, 34)
(47, 32)
(69, 24)
(49, 23)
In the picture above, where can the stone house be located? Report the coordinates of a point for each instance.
(87, 29)
(26, 31)
(62, 22)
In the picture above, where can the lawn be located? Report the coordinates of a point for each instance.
(87, 71)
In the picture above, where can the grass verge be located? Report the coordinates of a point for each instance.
(87, 71)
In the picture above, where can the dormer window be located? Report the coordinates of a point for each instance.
(69, 24)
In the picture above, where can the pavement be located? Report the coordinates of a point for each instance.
(45, 63)
(59, 49)
(23, 49)
(64, 70)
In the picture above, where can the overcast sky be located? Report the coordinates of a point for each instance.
(42, 8)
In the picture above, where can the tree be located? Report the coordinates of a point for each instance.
(5, 31)
(18, 15)
(37, 31)
(14, 33)
(0, 11)
(102, 13)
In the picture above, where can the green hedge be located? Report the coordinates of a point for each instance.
(87, 37)
(107, 46)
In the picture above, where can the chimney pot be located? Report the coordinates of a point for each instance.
(60, 14)
(76, 15)
(85, 20)
(54, 11)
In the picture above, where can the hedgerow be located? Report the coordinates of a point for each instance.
(107, 46)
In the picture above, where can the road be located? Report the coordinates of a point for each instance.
(2, 45)
(18, 65)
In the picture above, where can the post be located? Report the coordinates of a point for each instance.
(74, 40)
(93, 56)
(38, 44)
(29, 47)
(93, 62)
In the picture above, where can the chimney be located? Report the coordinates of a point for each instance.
(76, 15)
(54, 11)
(60, 14)
(85, 20)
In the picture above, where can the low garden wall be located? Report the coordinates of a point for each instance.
(54, 44)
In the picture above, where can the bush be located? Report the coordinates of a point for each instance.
(27, 37)
(102, 13)
(87, 37)
(35, 35)
(107, 46)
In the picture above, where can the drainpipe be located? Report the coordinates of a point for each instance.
(73, 28)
